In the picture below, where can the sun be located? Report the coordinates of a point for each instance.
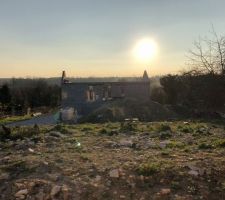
(145, 50)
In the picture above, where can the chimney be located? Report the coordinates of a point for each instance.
(145, 76)
(63, 77)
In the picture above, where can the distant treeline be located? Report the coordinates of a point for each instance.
(57, 80)
(205, 92)
(19, 94)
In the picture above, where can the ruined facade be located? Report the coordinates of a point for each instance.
(85, 97)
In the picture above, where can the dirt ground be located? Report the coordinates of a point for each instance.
(138, 161)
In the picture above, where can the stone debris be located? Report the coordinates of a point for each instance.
(4, 176)
(126, 143)
(165, 191)
(55, 190)
(193, 172)
(56, 134)
(106, 167)
(21, 194)
(31, 150)
(114, 173)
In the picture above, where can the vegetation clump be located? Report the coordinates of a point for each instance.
(128, 126)
(148, 169)
(164, 127)
(185, 129)
(165, 135)
(175, 144)
(108, 132)
(18, 132)
(205, 146)
(61, 128)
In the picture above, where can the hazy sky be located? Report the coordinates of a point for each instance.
(95, 37)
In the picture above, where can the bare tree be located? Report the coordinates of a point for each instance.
(208, 55)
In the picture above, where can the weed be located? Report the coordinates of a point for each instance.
(148, 169)
(185, 129)
(165, 135)
(175, 185)
(128, 126)
(165, 153)
(220, 143)
(205, 146)
(164, 127)
(103, 131)
(108, 132)
(175, 144)
(84, 157)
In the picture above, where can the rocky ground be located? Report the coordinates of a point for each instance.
(166, 160)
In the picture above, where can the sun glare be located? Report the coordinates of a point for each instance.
(145, 50)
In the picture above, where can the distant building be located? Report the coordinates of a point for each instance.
(85, 97)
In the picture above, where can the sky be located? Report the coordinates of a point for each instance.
(96, 37)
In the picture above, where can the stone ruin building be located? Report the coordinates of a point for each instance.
(84, 97)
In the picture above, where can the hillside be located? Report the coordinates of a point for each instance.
(178, 160)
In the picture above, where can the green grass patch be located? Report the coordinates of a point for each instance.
(8, 120)
(175, 144)
(148, 169)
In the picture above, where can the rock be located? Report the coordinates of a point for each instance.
(126, 143)
(4, 176)
(164, 144)
(51, 139)
(193, 173)
(40, 195)
(31, 185)
(149, 144)
(98, 178)
(31, 150)
(65, 191)
(111, 144)
(21, 194)
(56, 134)
(53, 177)
(55, 190)
(114, 173)
(108, 183)
(165, 191)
